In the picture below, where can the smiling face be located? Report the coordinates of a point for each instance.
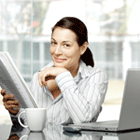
(65, 50)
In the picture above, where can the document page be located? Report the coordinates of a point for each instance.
(12, 82)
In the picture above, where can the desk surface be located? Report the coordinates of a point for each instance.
(55, 132)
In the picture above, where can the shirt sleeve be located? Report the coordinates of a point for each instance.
(83, 105)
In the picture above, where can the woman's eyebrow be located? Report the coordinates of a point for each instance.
(67, 41)
(63, 41)
(53, 39)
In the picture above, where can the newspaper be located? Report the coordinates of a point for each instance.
(12, 81)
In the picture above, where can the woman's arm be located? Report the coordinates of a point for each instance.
(83, 104)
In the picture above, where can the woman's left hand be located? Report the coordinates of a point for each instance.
(49, 73)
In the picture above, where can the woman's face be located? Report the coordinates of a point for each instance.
(64, 49)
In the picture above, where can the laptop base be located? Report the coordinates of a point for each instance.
(104, 126)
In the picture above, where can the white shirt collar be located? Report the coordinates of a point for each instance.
(83, 69)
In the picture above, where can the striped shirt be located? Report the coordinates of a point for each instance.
(80, 99)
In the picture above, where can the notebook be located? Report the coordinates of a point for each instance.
(12, 81)
(129, 119)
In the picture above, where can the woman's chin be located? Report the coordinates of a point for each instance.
(58, 65)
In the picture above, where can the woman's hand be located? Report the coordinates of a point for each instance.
(9, 102)
(14, 137)
(49, 73)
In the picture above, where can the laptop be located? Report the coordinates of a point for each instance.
(129, 119)
(96, 135)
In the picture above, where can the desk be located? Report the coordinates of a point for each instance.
(55, 132)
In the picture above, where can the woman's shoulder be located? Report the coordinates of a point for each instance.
(96, 70)
(88, 70)
(99, 74)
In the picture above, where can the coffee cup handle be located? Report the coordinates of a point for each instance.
(23, 137)
(25, 126)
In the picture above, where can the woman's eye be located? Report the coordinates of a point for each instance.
(66, 45)
(53, 43)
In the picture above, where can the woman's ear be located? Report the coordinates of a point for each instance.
(83, 47)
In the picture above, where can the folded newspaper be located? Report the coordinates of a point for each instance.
(12, 81)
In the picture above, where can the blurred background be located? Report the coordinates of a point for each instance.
(114, 35)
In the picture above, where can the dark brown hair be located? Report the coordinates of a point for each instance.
(79, 28)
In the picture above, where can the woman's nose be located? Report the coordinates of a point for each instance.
(58, 50)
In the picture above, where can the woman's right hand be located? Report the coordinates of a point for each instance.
(14, 137)
(9, 102)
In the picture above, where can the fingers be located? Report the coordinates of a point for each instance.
(3, 92)
(44, 76)
(12, 102)
(11, 109)
(7, 97)
(49, 78)
(9, 102)
(49, 73)
(11, 106)
(14, 137)
(40, 79)
(14, 111)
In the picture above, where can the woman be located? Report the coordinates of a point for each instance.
(70, 87)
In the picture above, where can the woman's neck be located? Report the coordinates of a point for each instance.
(74, 70)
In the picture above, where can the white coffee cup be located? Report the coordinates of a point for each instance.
(36, 118)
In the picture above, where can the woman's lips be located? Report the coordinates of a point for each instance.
(59, 60)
